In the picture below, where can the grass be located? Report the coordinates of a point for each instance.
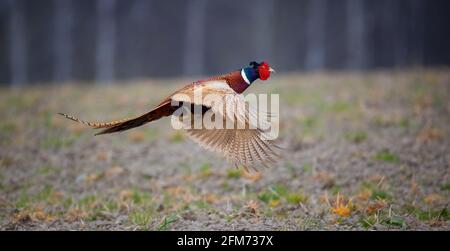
(386, 156)
(376, 191)
(53, 141)
(8, 127)
(384, 219)
(88, 200)
(45, 193)
(23, 201)
(309, 123)
(335, 190)
(27, 198)
(138, 197)
(205, 170)
(7, 132)
(311, 127)
(44, 170)
(279, 194)
(233, 173)
(445, 186)
(307, 168)
(339, 106)
(380, 195)
(177, 137)
(356, 136)
(367, 222)
(151, 133)
(296, 198)
(201, 204)
(142, 218)
(166, 222)
(267, 197)
(430, 214)
(404, 122)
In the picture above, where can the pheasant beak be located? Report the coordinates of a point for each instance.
(271, 70)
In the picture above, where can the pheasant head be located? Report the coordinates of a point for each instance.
(256, 70)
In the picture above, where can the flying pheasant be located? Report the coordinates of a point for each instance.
(246, 144)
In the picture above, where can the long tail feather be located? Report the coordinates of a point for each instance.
(94, 124)
(163, 110)
(126, 125)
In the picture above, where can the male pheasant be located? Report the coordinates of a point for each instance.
(245, 144)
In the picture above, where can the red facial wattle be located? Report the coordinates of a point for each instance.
(264, 71)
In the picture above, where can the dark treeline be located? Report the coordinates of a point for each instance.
(107, 40)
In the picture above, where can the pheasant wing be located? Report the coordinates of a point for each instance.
(246, 143)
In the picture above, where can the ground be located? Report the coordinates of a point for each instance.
(362, 151)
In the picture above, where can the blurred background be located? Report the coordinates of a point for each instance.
(102, 41)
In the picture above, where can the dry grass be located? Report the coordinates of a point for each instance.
(363, 151)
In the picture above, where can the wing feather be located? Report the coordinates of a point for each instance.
(246, 144)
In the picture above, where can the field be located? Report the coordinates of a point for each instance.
(363, 151)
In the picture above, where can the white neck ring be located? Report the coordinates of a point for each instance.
(244, 77)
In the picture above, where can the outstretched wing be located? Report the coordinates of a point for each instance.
(246, 144)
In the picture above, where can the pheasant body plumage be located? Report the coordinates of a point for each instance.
(246, 146)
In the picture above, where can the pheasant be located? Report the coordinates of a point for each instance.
(246, 146)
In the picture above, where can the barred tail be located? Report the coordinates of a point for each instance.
(94, 124)
(163, 110)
